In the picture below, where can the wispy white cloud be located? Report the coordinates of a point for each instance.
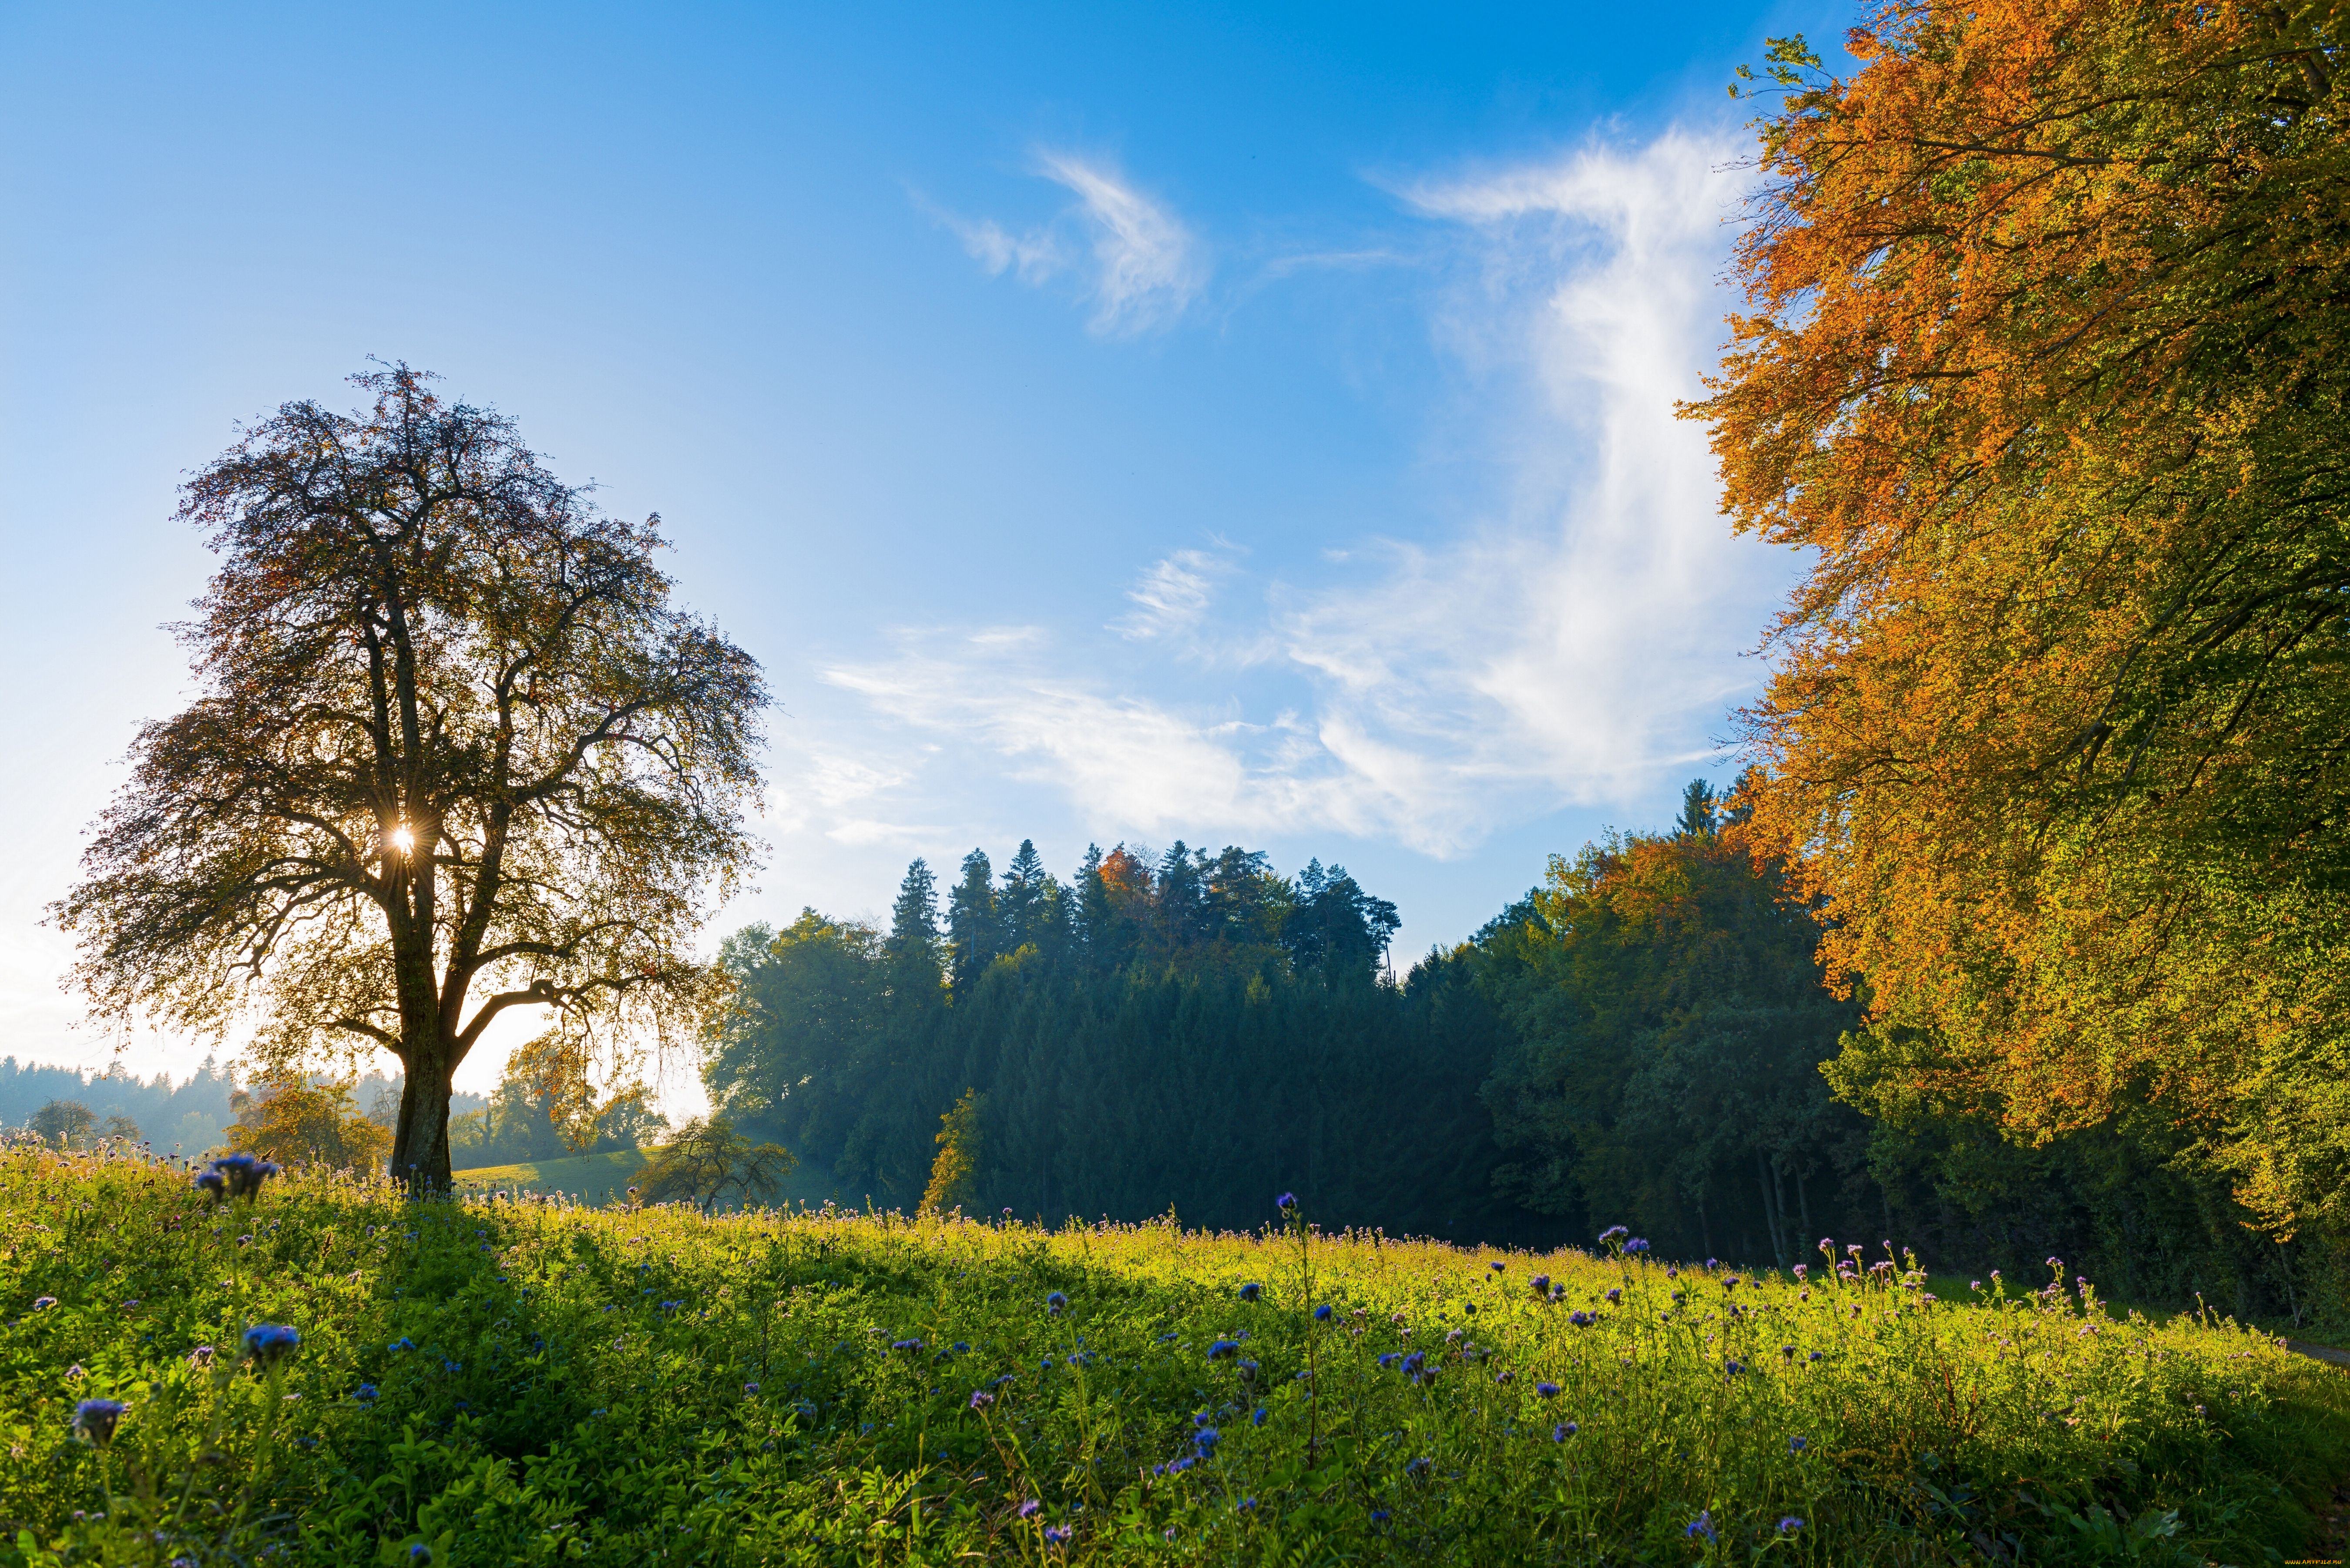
(1573, 645)
(1172, 594)
(1141, 269)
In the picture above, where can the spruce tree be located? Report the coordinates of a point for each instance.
(973, 934)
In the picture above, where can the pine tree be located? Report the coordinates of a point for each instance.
(912, 947)
(1699, 806)
(973, 934)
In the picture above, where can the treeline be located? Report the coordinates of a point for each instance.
(1638, 1041)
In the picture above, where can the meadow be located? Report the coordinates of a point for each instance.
(606, 1179)
(323, 1372)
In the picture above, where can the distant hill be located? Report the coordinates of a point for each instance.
(604, 1177)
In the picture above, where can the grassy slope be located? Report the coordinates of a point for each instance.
(603, 1178)
(524, 1383)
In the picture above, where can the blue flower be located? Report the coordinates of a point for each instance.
(1322, 1313)
(1030, 1509)
(1257, 1415)
(366, 1395)
(212, 1184)
(1541, 1284)
(94, 1420)
(1223, 1348)
(1614, 1234)
(1789, 1525)
(981, 1399)
(43, 1304)
(1390, 1360)
(905, 1345)
(1415, 1364)
(1636, 1246)
(1252, 1291)
(1418, 1469)
(1058, 1534)
(1732, 1369)
(420, 1553)
(1796, 1445)
(750, 1390)
(1379, 1516)
(403, 1343)
(1246, 1505)
(1286, 1201)
(1497, 1265)
(1055, 1302)
(1562, 1431)
(270, 1342)
(1545, 1390)
(1702, 1525)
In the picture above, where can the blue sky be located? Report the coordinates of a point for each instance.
(1104, 423)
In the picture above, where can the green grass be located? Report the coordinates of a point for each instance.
(537, 1383)
(605, 1179)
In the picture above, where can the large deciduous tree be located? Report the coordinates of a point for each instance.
(454, 752)
(2045, 367)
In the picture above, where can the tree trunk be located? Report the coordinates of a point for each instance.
(1770, 1214)
(419, 1145)
(1804, 1207)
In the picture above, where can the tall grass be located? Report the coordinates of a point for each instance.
(520, 1380)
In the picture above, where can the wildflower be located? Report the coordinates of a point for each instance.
(1415, 1364)
(1246, 1505)
(1636, 1246)
(43, 1304)
(981, 1399)
(960, 1348)
(1616, 1295)
(2057, 1264)
(1802, 1270)
(270, 1342)
(1796, 1445)
(1975, 1284)
(1287, 1200)
(1614, 1234)
(1505, 1376)
(420, 1553)
(1058, 1534)
(905, 1345)
(1257, 1415)
(212, 1184)
(1702, 1525)
(1562, 1431)
(1732, 1369)
(1545, 1390)
(1789, 1525)
(94, 1420)
(1390, 1360)
(1030, 1509)
(75, 1374)
(1418, 1469)
(1581, 1319)
(1730, 1284)
(1252, 1291)
(1247, 1369)
(1223, 1348)
(201, 1358)
(1055, 1302)
(1541, 1284)
(1322, 1313)
(1497, 1265)
(750, 1390)
(366, 1395)
(1205, 1440)
(1379, 1516)
(1711, 1264)
(1813, 1357)
(404, 1342)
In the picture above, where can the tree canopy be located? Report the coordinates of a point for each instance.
(454, 752)
(2042, 368)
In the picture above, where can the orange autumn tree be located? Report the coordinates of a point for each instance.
(2043, 368)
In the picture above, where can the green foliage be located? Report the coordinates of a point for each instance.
(1666, 1024)
(62, 1122)
(533, 1383)
(1155, 1034)
(710, 1165)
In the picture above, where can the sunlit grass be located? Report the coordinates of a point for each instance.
(524, 1382)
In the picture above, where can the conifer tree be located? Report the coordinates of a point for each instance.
(973, 934)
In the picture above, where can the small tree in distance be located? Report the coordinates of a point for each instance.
(454, 753)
